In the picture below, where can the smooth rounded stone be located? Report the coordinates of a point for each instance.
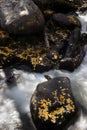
(52, 104)
(21, 17)
(66, 20)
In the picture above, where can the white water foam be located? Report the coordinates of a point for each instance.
(83, 20)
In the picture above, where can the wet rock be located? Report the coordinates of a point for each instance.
(73, 42)
(74, 52)
(20, 17)
(52, 104)
(67, 21)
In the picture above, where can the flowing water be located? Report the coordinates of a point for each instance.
(83, 19)
(17, 86)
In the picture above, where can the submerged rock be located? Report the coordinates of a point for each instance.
(52, 104)
(20, 17)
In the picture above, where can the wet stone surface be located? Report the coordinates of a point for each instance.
(52, 104)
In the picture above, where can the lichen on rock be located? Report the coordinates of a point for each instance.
(52, 104)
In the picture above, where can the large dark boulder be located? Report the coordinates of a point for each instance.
(52, 104)
(20, 17)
